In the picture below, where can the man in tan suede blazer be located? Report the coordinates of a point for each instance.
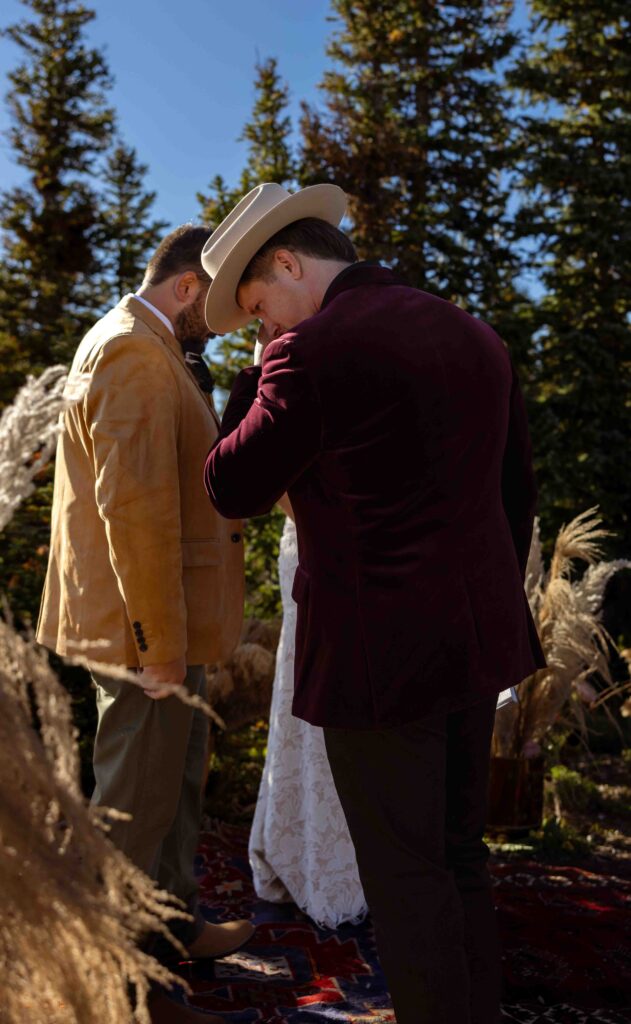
(143, 573)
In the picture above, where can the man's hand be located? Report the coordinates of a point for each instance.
(154, 678)
(263, 339)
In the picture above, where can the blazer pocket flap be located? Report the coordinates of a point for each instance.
(300, 585)
(200, 552)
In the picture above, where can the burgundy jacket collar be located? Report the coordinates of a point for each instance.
(362, 273)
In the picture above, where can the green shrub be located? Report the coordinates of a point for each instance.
(574, 792)
(557, 839)
(236, 766)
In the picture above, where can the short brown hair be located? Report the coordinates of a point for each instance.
(309, 236)
(180, 251)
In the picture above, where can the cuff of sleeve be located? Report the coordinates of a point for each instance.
(251, 373)
(156, 650)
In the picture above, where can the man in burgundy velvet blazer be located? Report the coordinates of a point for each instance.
(395, 423)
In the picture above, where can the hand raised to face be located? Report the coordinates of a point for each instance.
(263, 339)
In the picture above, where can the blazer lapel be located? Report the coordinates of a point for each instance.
(139, 310)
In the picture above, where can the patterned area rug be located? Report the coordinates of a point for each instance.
(566, 935)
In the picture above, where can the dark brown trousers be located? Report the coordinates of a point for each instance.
(415, 798)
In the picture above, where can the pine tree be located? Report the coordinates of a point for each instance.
(268, 132)
(416, 129)
(128, 233)
(577, 175)
(60, 123)
(269, 159)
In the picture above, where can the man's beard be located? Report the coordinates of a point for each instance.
(190, 327)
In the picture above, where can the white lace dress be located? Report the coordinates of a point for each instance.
(300, 848)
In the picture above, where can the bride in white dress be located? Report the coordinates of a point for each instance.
(300, 848)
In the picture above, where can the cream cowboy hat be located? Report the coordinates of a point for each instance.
(258, 216)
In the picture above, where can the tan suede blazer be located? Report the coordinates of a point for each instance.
(139, 559)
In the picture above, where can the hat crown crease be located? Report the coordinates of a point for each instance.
(256, 204)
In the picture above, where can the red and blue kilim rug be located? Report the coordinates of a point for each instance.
(566, 935)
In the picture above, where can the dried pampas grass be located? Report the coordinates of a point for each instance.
(577, 647)
(28, 435)
(73, 908)
(241, 689)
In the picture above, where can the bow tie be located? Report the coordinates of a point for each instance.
(198, 366)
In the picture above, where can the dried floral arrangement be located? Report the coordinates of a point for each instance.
(567, 613)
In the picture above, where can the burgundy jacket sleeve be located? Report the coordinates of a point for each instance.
(519, 490)
(271, 431)
(243, 393)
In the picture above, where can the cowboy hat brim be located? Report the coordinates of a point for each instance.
(223, 313)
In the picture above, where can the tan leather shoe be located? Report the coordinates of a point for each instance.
(163, 1010)
(218, 940)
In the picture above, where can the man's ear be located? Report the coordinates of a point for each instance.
(287, 262)
(186, 286)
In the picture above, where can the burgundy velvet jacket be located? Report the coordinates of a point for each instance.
(396, 423)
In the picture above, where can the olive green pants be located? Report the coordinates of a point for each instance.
(150, 761)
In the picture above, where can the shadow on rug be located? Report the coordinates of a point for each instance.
(566, 935)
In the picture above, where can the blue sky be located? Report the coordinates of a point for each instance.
(183, 81)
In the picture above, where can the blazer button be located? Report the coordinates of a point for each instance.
(143, 647)
(235, 538)
(137, 625)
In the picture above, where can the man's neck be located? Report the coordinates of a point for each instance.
(157, 298)
(156, 312)
(325, 273)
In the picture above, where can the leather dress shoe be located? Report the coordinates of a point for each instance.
(217, 940)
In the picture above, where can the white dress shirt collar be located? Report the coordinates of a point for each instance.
(156, 312)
